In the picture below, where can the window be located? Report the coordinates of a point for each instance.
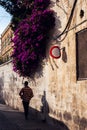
(81, 54)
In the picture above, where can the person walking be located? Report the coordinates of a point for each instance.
(26, 94)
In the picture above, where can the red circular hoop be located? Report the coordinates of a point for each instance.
(51, 52)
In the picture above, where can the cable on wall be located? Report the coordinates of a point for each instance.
(68, 23)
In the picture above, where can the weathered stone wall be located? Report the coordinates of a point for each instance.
(10, 85)
(65, 96)
(70, 95)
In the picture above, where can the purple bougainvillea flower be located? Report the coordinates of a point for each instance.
(31, 38)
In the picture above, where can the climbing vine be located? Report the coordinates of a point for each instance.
(31, 36)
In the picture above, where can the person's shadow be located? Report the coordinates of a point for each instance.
(44, 107)
(45, 114)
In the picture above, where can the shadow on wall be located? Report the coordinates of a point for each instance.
(1, 90)
(81, 123)
(43, 115)
(12, 82)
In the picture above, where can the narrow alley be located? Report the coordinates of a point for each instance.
(14, 120)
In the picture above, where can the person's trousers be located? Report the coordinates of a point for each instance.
(26, 107)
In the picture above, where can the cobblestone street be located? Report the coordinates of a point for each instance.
(14, 120)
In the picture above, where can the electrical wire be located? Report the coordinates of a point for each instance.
(76, 25)
(61, 7)
(73, 28)
(68, 23)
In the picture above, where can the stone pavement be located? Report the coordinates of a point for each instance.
(11, 119)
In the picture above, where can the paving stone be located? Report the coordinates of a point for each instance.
(11, 119)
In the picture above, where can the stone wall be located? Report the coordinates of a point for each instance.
(10, 85)
(69, 94)
(62, 93)
(67, 101)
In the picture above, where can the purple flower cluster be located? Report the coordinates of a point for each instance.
(30, 39)
(41, 4)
